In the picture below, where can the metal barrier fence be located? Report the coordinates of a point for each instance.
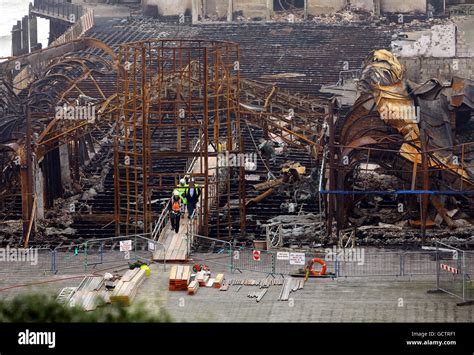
(355, 262)
(271, 262)
(31, 260)
(454, 272)
(74, 258)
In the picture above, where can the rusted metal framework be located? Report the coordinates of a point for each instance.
(408, 131)
(178, 110)
(295, 119)
(31, 131)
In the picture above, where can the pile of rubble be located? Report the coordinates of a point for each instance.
(347, 16)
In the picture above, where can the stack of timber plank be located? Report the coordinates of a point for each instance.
(193, 287)
(218, 281)
(202, 277)
(127, 287)
(179, 278)
(88, 294)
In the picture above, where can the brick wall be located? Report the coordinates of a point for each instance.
(422, 69)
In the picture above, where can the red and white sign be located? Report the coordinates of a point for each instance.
(449, 269)
(256, 255)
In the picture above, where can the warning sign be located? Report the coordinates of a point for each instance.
(283, 255)
(125, 245)
(297, 258)
(256, 255)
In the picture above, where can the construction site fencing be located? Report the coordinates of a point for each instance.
(76, 258)
(277, 262)
(199, 247)
(26, 260)
(454, 272)
(342, 263)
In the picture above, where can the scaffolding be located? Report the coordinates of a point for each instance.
(178, 111)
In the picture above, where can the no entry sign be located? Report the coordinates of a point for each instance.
(256, 255)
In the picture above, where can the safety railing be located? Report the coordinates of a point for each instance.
(164, 216)
(80, 26)
(59, 9)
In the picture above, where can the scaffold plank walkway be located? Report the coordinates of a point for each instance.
(175, 243)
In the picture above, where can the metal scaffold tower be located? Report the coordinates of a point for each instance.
(178, 111)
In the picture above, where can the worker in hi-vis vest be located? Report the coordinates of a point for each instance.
(175, 210)
(182, 189)
(191, 195)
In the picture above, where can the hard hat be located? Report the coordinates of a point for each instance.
(182, 181)
(175, 192)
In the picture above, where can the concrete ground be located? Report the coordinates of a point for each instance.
(321, 300)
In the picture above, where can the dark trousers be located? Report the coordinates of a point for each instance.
(191, 208)
(175, 217)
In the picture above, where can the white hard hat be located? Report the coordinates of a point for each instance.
(175, 193)
(182, 181)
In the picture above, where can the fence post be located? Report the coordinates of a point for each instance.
(463, 276)
(231, 259)
(53, 261)
(102, 252)
(135, 246)
(402, 264)
(273, 262)
(85, 256)
(437, 266)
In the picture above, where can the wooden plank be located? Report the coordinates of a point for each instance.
(186, 273)
(129, 274)
(170, 248)
(179, 273)
(173, 271)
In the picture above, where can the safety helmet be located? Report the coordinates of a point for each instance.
(175, 192)
(182, 182)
